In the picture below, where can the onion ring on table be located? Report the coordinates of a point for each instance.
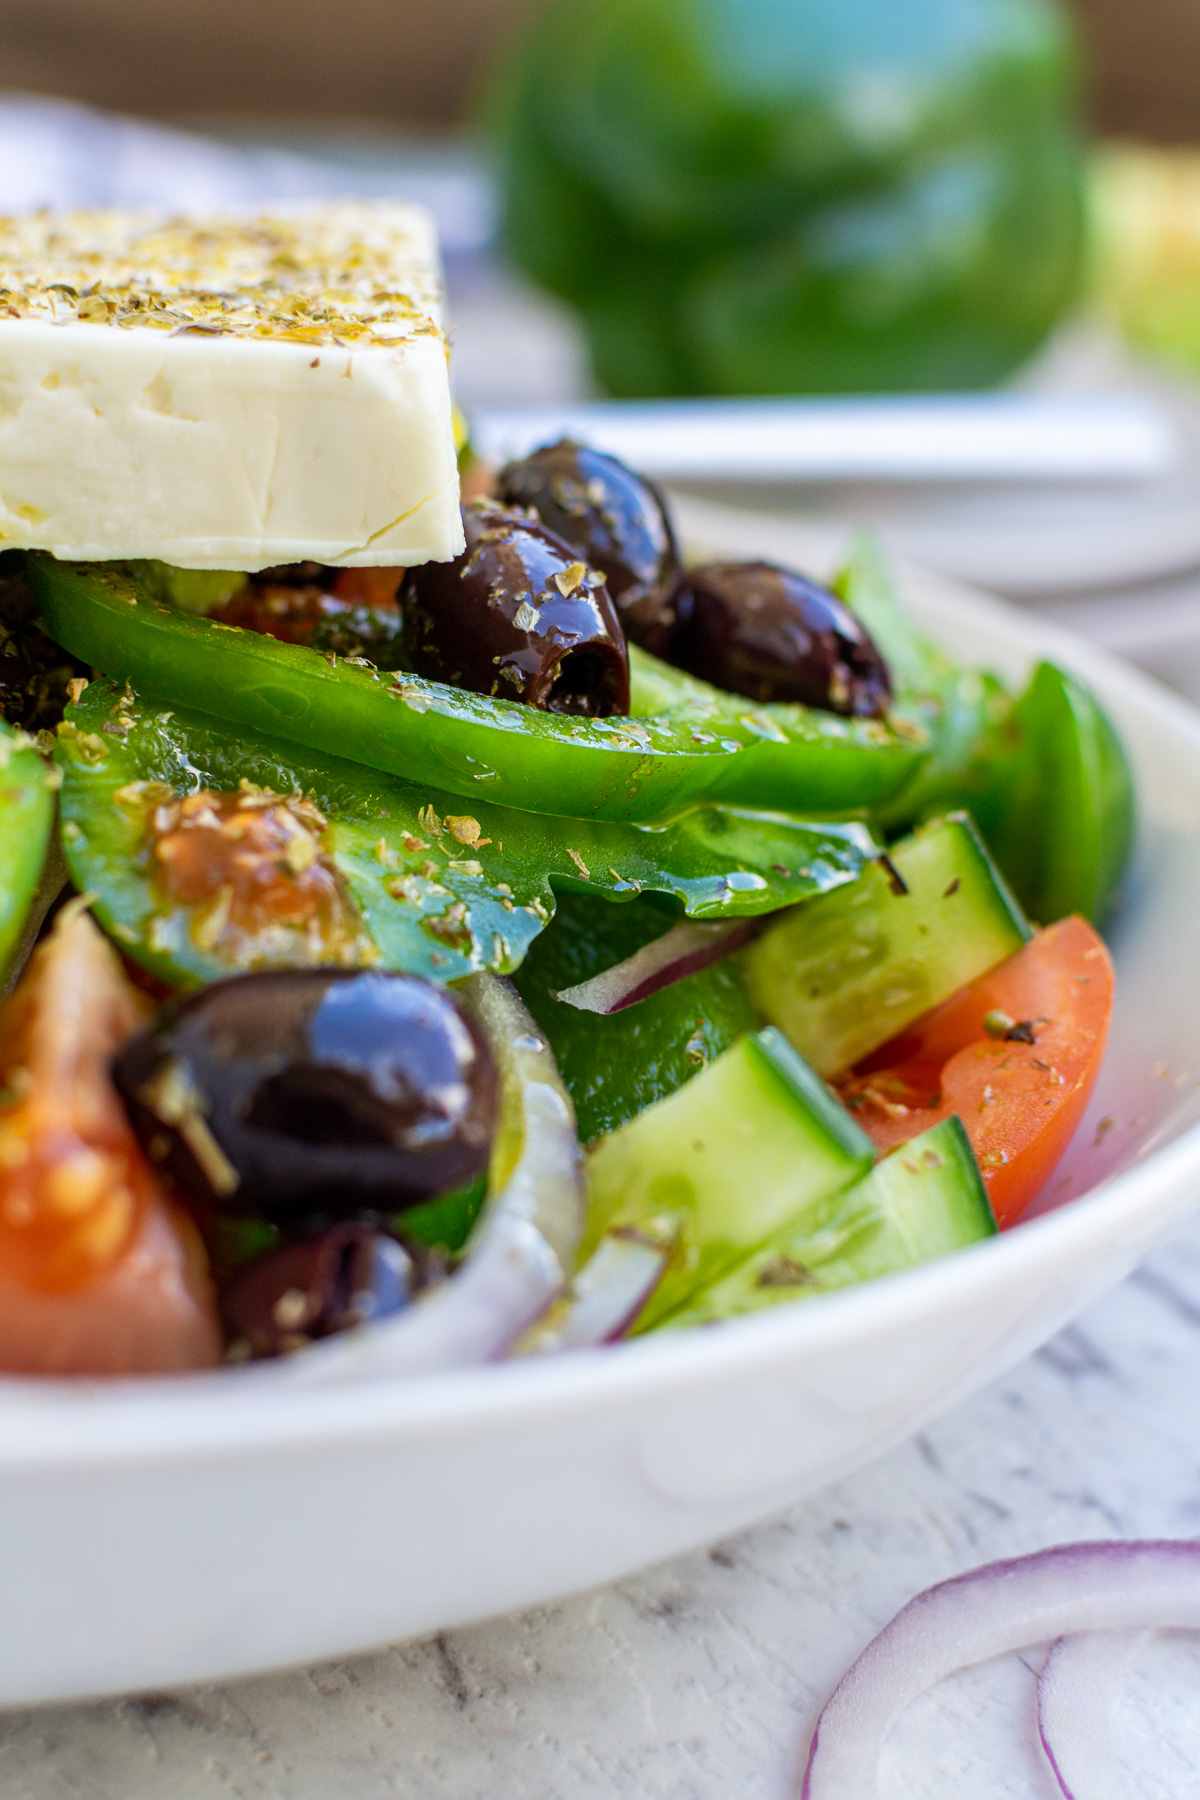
(1076, 1690)
(1153, 1584)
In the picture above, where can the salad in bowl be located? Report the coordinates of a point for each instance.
(496, 929)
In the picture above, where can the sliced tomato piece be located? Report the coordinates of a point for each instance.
(1015, 1055)
(99, 1272)
(368, 587)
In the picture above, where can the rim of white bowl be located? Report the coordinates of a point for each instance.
(233, 1412)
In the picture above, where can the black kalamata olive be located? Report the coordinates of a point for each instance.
(296, 1093)
(518, 615)
(757, 629)
(330, 1281)
(616, 520)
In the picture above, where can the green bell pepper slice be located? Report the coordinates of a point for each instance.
(27, 786)
(1044, 775)
(616, 1066)
(1060, 814)
(440, 892)
(704, 747)
(965, 714)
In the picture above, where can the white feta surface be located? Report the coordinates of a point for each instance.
(226, 395)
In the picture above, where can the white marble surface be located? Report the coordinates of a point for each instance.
(699, 1680)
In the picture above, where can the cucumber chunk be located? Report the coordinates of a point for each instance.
(921, 1202)
(723, 1164)
(842, 974)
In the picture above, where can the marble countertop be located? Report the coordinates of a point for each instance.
(700, 1679)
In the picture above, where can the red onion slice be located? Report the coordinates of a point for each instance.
(604, 1298)
(1002, 1607)
(1076, 1690)
(526, 1238)
(684, 950)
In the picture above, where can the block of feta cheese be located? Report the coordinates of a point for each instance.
(226, 393)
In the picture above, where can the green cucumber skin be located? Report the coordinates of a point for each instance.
(724, 1163)
(842, 974)
(26, 819)
(931, 1196)
(615, 1066)
(923, 1201)
(808, 1085)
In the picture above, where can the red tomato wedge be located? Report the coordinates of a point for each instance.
(99, 1273)
(1021, 1092)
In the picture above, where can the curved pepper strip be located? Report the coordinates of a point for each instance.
(964, 714)
(1060, 818)
(440, 892)
(706, 747)
(1044, 775)
(27, 784)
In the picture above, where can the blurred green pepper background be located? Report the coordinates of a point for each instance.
(795, 196)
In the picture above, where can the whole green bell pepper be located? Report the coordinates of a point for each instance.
(788, 196)
(438, 891)
(702, 747)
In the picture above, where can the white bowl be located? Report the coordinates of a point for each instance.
(159, 1532)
